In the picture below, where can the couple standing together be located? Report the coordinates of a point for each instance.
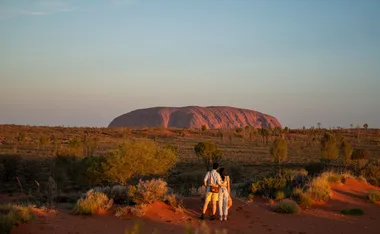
(218, 190)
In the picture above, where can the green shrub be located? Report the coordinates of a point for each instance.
(374, 196)
(279, 150)
(287, 207)
(13, 215)
(140, 157)
(148, 192)
(93, 202)
(320, 188)
(355, 212)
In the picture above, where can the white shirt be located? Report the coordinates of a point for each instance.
(214, 179)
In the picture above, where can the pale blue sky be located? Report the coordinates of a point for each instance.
(82, 63)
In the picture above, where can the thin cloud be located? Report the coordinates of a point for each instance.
(34, 13)
(124, 2)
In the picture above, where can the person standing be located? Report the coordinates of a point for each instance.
(224, 194)
(211, 181)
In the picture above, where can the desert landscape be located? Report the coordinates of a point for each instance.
(47, 170)
(186, 116)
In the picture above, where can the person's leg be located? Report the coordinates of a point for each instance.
(225, 206)
(207, 201)
(220, 203)
(214, 201)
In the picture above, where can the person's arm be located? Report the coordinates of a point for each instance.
(205, 179)
(229, 185)
(219, 181)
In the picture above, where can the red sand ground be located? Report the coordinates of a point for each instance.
(255, 218)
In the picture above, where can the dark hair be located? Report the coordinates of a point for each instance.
(215, 166)
(222, 173)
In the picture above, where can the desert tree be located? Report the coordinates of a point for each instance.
(329, 150)
(365, 126)
(140, 157)
(204, 128)
(279, 150)
(208, 152)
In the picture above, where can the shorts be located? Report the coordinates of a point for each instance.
(211, 197)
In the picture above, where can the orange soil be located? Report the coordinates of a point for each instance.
(255, 218)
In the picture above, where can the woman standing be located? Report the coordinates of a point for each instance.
(224, 194)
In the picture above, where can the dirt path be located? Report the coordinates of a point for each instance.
(244, 218)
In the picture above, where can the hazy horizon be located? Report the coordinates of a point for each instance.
(83, 63)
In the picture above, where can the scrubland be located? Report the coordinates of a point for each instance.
(127, 171)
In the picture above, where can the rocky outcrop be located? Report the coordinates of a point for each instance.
(195, 117)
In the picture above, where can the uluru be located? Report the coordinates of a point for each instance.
(195, 117)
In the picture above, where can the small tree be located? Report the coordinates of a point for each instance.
(204, 128)
(279, 150)
(209, 153)
(138, 158)
(365, 126)
(329, 148)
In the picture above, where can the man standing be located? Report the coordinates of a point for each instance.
(211, 181)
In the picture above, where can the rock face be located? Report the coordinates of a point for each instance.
(195, 117)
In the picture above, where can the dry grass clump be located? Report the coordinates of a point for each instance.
(374, 196)
(148, 192)
(320, 188)
(175, 202)
(13, 215)
(138, 210)
(94, 202)
(286, 207)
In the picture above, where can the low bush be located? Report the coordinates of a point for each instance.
(374, 196)
(334, 178)
(119, 194)
(286, 207)
(283, 180)
(374, 181)
(138, 210)
(13, 215)
(94, 202)
(355, 212)
(148, 192)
